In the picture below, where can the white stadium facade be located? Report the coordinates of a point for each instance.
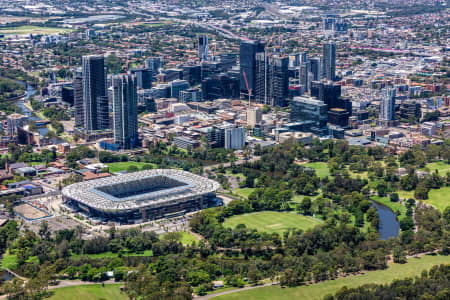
(141, 196)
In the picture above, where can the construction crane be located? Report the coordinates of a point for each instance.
(248, 90)
(266, 53)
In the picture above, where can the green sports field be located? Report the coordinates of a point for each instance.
(317, 291)
(32, 30)
(89, 292)
(321, 168)
(272, 221)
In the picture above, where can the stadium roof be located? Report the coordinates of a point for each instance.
(150, 188)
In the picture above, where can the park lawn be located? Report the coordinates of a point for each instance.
(240, 175)
(439, 198)
(123, 166)
(394, 206)
(110, 254)
(362, 175)
(188, 238)
(89, 292)
(272, 221)
(441, 166)
(32, 30)
(405, 194)
(414, 267)
(299, 198)
(321, 168)
(244, 192)
(9, 260)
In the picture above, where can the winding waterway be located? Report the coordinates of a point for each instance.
(389, 225)
(27, 112)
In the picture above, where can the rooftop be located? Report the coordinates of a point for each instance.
(140, 189)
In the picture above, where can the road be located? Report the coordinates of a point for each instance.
(234, 291)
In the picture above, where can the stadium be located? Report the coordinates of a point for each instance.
(141, 196)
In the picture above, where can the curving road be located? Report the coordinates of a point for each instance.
(234, 291)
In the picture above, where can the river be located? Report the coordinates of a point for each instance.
(27, 112)
(389, 225)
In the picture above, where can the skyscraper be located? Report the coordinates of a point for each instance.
(143, 77)
(95, 99)
(304, 72)
(311, 112)
(203, 47)
(387, 105)
(314, 64)
(78, 98)
(330, 93)
(272, 79)
(234, 138)
(247, 61)
(326, 91)
(177, 86)
(329, 61)
(124, 99)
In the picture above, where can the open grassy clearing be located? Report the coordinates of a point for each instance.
(299, 198)
(123, 166)
(272, 221)
(237, 175)
(89, 292)
(414, 267)
(439, 198)
(9, 260)
(441, 166)
(406, 194)
(32, 30)
(321, 168)
(188, 238)
(244, 192)
(110, 254)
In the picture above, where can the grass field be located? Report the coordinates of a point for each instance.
(89, 292)
(299, 198)
(439, 198)
(406, 194)
(317, 291)
(187, 238)
(441, 166)
(123, 166)
(271, 221)
(110, 254)
(32, 29)
(321, 168)
(244, 192)
(9, 260)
